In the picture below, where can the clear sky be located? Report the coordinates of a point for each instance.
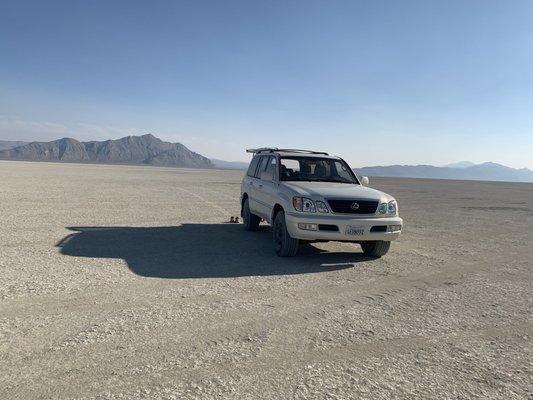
(378, 82)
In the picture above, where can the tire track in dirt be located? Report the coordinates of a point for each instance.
(215, 206)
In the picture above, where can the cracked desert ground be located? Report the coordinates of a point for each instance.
(123, 282)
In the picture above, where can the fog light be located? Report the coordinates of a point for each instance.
(395, 228)
(308, 227)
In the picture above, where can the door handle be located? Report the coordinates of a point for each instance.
(260, 185)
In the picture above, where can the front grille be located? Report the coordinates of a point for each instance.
(346, 206)
(379, 228)
(324, 227)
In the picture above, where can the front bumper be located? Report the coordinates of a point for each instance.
(341, 221)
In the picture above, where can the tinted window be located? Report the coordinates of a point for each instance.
(252, 167)
(271, 166)
(262, 166)
(289, 168)
(315, 169)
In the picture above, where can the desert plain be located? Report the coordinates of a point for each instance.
(125, 282)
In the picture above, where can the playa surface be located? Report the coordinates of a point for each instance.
(124, 282)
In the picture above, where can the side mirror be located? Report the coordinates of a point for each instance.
(266, 176)
(365, 181)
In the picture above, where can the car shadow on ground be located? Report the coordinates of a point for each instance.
(200, 251)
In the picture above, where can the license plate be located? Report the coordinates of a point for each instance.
(355, 230)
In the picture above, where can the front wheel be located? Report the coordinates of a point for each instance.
(377, 248)
(284, 244)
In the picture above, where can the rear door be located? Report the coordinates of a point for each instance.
(248, 183)
(266, 190)
(257, 205)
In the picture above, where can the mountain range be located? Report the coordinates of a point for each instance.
(145, 149)
(149, 150)
(460, 164)
(10, 144)
(230, 164)
(463, 170)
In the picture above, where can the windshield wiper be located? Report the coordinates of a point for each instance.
(316, 180)
(331, 180)
(339, 181)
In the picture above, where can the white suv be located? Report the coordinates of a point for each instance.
(310, 196)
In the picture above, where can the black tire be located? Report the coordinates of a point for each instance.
(249, 220)
(377, 248)
(284, 244)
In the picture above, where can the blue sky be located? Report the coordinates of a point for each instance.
(378, 82)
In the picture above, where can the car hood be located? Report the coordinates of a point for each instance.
(334, 190)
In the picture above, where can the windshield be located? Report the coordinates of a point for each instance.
(317, 169)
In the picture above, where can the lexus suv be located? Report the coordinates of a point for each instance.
(309, 196)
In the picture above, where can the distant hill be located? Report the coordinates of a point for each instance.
(9, 144)
(485, 172)
(229, 164)
(145, 149)
(461, 164)
(149, 150)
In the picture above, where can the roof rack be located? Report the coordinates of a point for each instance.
(275, 149)
(262, 149)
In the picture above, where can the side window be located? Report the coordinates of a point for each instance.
(271, 167)
(253, 166)
(262, 166)
(289, 169)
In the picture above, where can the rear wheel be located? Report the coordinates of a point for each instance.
(250, 221)
(376, 248)
(284, 244)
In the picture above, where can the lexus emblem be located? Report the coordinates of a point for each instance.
(355, 206)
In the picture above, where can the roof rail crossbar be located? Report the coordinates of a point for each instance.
(303, 151)
(275, 149)
(261, 149)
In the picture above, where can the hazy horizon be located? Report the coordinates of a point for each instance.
(377, 83)
(450, 164)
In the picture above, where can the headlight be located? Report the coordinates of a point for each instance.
(321, 207)
(303, 204)
(390, 208)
